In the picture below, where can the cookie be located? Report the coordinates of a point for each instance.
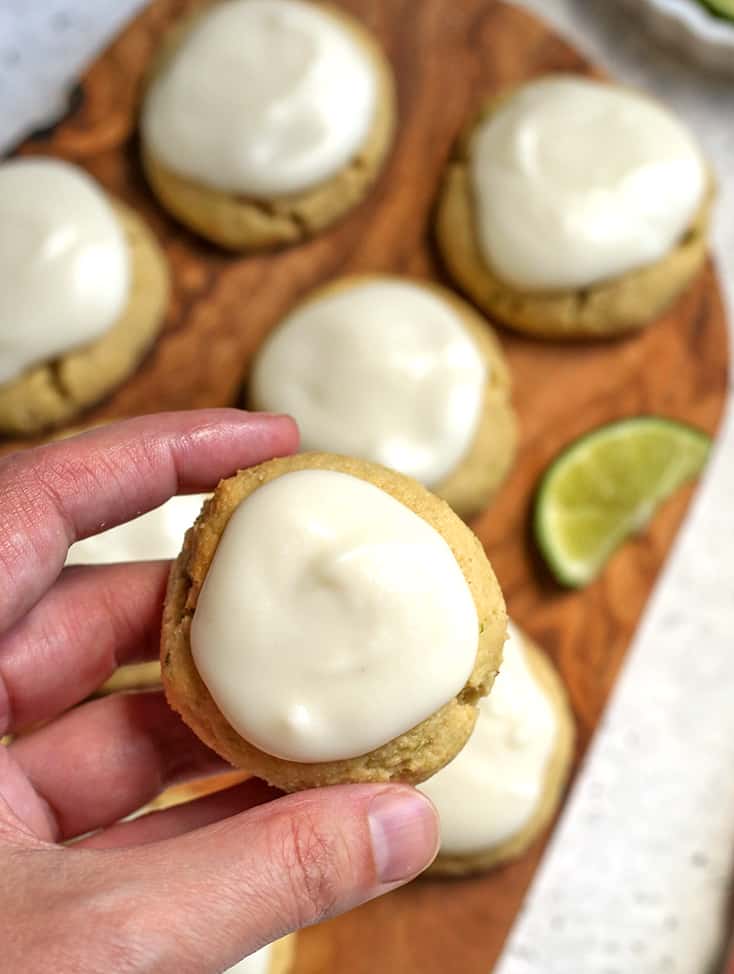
(573, 208)
(329, 620)
(504, 787)
(248, 178)
(82, 318)
(398, 372)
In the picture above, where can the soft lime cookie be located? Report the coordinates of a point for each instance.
(83, 292)
(574, 208)
(502, 789)
(329, 620)
(266, 120)
(399, 372)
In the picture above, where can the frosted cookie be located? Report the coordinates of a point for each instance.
(155, 535)
(276, 958)
(503, 788)
(266, 120)
(83, 291)
(329, 620)
(402, 373)
(574, 208)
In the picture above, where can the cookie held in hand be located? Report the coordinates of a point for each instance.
(329, 621)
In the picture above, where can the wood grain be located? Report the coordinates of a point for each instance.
(447, 55)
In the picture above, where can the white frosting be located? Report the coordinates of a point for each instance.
(492, 787)
(257, 963)
(64, 274)
(383, 370)
(157, 534)
(576, 181)
(332, 618)
(264, 97)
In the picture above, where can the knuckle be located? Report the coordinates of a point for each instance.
(311, 859)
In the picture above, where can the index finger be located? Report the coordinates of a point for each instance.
(56, 494)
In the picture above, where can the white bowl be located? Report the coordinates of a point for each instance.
(689, 27)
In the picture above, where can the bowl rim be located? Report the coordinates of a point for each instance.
(698, 18)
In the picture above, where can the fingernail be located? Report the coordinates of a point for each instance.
(404, 831)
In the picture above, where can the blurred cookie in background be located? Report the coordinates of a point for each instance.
(500, 792)
(83, 292)
(574, 208)
(157, 534)
(266, 120)
(399, 372)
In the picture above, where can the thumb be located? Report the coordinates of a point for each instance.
(217, 894)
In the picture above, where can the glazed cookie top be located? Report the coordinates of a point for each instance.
(576, 181)
(263, 98)
(492, 787)
(332, 618)
(64, 264)
(380, 369)
(156, 534)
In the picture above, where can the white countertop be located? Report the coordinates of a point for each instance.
(637, 876)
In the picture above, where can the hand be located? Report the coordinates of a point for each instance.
(189, 889)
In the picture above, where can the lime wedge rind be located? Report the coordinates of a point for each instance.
(606, 486)
(722, 8)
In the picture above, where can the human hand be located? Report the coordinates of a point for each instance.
(189, 889)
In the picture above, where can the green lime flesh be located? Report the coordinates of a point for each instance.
(606, 486)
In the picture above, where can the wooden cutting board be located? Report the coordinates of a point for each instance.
(447, 54)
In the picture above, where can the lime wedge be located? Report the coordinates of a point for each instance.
(725, 8)
(606, 486)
